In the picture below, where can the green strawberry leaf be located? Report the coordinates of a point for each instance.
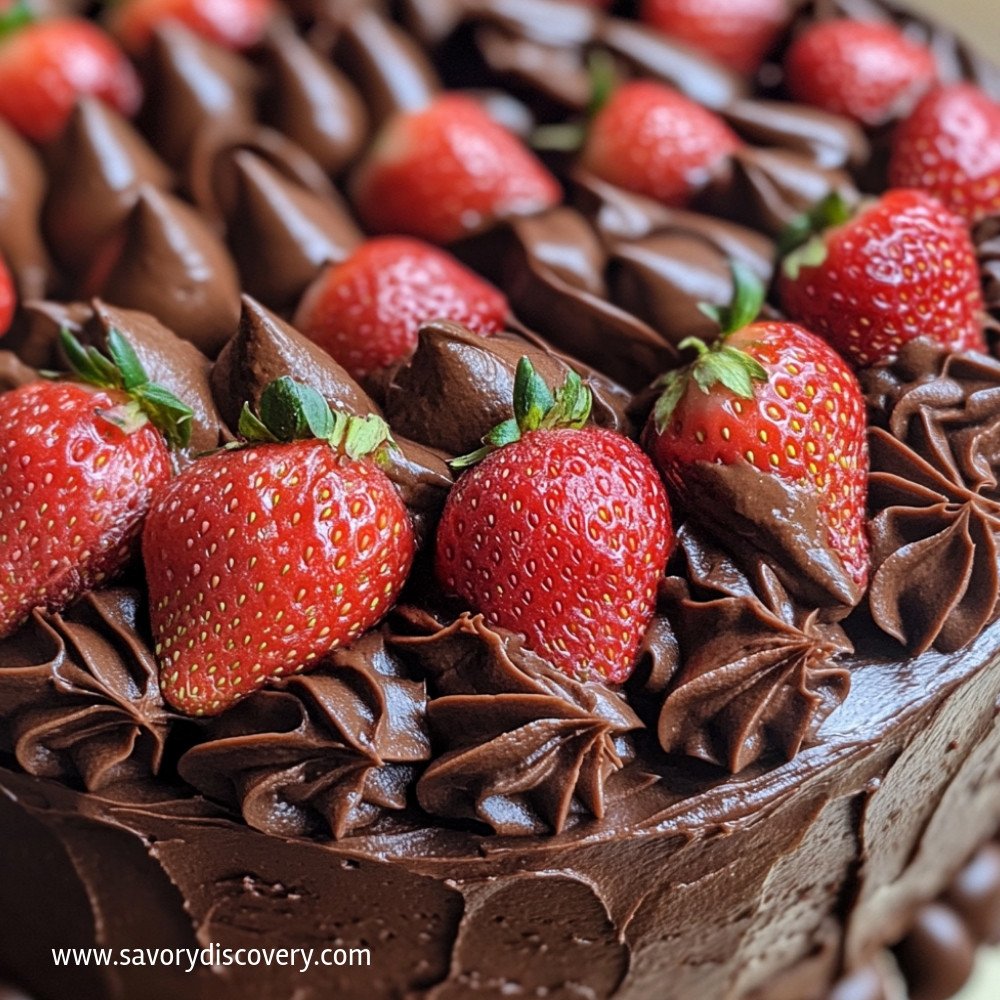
(506, 433)
(127, 361)
(535, 408)
(290, 411)
(812, 253)
(168, 414)
(674, 384)
(363, 435)
(16, 16)
(746, 304)
(88, 364)
(124, 371)
(833, 210)
(566, 137)
(603, 75)
(253, 429)
(718, 364)
(532, 397)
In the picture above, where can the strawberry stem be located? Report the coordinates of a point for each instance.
(124, 371)
(569, 137)
(833, 210)
(536, 408)
(290, 411)
(718, 363)
(744, 307)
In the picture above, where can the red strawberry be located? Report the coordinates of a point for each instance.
(654, 141)
(234, 24)
(738, 33)
(560, 534)
(8, 298)
(868, 71)
(366, 310)
(46, 66)
(79, 465)
(777, 397)
(904, 267)
(950, 146)
(261, 560)
(448, 171)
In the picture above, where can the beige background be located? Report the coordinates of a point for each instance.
(979, 22)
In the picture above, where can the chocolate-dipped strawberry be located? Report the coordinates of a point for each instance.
(762, 439)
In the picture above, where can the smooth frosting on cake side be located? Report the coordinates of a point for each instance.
(796, 771)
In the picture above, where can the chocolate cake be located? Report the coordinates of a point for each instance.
(794, 797)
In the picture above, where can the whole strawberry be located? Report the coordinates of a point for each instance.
(366, 311)
(46, 65)
(261, 559)
(869, 71)
(652, 140)
(8, 298)
(903, 267)
(234, 24)
(950, 147)
(79, 466)
(448, 171)
(561, 533)
(774, 398)
(738, 33)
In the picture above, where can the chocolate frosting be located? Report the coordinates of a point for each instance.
(938, 953)
(173, 266)
(523, 746)
(14, 372)
(211, 176)
(391, 71)
(769, 189)
(192, 83)
(323, 754)
(934, 497)
(651, 54)
(986, 236)
(311, 101)
(458, 386)
(831, 141)
(281, 234)
(79, 693)
(756, 673)
(665, 278)
(265, 348)
(22, 190)
(97, 167)
(551, 270)
(175, 364)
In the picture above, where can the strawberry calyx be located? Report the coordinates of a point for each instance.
(802, 243)
(719, 362)
(148, 402)
(569, 137)
(536, 408)
(18, 15)
(290, 411)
